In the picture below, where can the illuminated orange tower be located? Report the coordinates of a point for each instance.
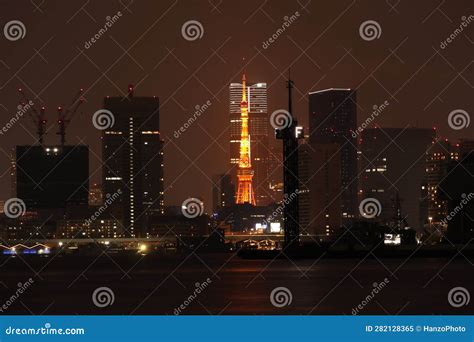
(244, 172)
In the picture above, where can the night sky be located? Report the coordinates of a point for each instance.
(405, 66)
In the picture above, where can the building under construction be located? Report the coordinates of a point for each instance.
(51, 176)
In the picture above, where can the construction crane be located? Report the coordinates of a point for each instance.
(37, 117)
(65, 115)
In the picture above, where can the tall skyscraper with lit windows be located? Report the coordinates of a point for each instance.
(132, 152)
(259, 129)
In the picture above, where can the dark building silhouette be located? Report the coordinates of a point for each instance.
(320, 190)
(458, 190)
(466, 146)
(393, 163)
(52, 177)
(132, 152)
(223, 191)
(332, 119)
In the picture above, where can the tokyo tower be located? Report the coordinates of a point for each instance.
(244, 172)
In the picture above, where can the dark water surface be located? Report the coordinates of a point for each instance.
(154, 284)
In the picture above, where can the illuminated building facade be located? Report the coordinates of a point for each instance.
(259, 129)
(245, 192)
(132, 152)
(438, 159)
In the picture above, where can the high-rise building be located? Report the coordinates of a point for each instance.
(52, 177)
(260, 154)
(223, 192)
(438, 159)
(320, 189)
(393, 166)
(132, 152)
(245, 193)
(332, 119)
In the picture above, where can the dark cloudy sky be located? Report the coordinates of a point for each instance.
(405, 66)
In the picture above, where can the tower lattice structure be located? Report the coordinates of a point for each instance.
(245, 192)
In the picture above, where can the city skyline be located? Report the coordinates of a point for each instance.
(253, 158)
(349, 61)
